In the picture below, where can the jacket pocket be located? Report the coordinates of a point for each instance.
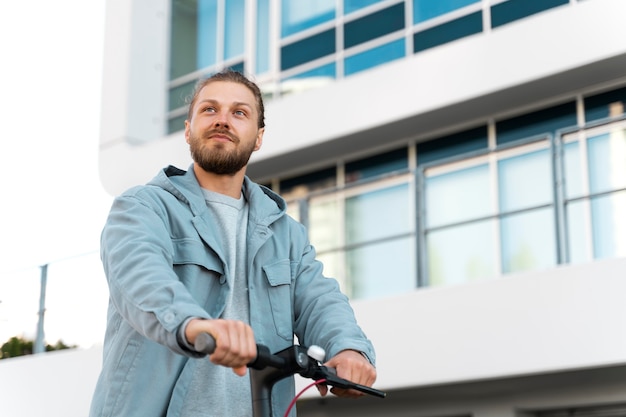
(278, 276)
(194, 252)
(201, 271)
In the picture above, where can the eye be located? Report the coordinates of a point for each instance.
(209, 109)
(240, 112)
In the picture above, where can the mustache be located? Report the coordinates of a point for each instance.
(221, 132)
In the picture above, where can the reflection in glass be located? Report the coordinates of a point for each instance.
(577, 232)
(461, 254)
(262, 36)
(298, 15)
(293, 209)
(207, 33)
(607, 161)
(381, 269)
(525, 180)
(325, 224)
(573, 177)
(457, 196)
(427, 9)
(528, 241)
(350, 6)
(609, 225)
(308, 80)
(375, 56)
(234, 28)
(378, 214)
(333, 267)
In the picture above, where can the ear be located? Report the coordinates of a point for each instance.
(187, 131)
(259, 139)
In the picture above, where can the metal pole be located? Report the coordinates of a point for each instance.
(39, 341)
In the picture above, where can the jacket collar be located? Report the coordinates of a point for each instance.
(265, 205)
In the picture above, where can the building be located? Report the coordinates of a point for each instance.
(461, 165)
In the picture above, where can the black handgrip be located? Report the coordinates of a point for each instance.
(205, 343)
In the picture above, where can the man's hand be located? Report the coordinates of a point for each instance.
(235, 346)
(354, 367)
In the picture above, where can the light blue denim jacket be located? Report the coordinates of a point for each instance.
(163, 265)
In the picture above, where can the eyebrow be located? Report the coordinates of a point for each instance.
(235, 104)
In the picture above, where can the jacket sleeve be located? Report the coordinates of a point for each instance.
(323, 315)
(136, 251)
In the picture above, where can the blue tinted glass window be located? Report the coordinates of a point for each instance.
(606, 156)
(318, 180)
(448, 32)
(184, 39)
(364, 269)
(306, 80)
(176, 124)
(324, 71)
(536, 123)
(512, 10)
(234, 28)
(457, 196)
(377, 165)
(427, 9)
(609, 104)
(298, 15)
(375, 56)
(308, 49)
(178, 95)
(207, 33)
(350, 6)
(262, 36)
(461, 254)
(523, 180)
(374, 25)
(238, 67)
(448, 146)
(528, 241)
(608, 234)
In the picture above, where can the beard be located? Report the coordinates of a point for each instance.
(217, 159)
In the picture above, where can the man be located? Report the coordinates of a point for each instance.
(207, 250)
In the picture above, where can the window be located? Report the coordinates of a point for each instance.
(448, 32)
(489, 214)
(309, 49)
(299, 15)
(512, 10)
(605, 105)
(427, 9)
(374, 25)
(353, 230)
(539, 192)
(374, 57)
(595, 192)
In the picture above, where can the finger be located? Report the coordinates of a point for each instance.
(241, 370)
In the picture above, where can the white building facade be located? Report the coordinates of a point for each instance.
(460, 164)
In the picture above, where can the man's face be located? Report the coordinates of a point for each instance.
(223, 130)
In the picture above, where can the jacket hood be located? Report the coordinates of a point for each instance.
(265, 205)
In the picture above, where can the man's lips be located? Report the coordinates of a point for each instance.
(221, 136)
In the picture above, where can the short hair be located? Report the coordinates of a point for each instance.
(232, 76)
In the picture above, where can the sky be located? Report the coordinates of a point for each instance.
(53, 205)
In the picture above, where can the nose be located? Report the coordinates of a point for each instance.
(221, 121)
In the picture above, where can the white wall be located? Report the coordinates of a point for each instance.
(53, 384)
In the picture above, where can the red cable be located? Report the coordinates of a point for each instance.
(293, 402)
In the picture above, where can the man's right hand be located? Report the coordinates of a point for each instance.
(234, 340)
